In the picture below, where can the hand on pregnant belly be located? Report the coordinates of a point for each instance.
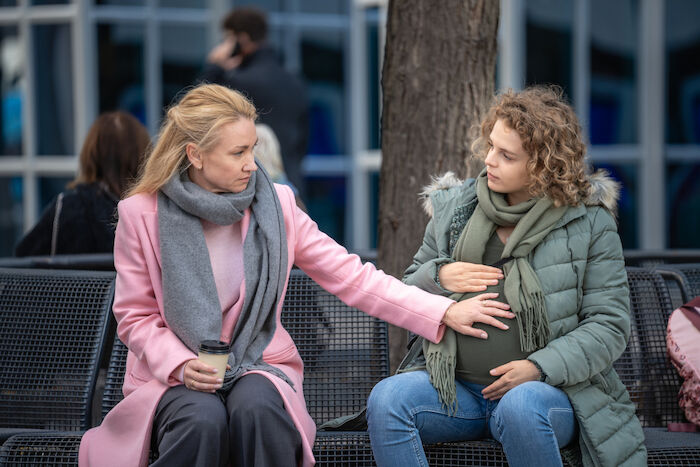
(461, 316)
(511, 374)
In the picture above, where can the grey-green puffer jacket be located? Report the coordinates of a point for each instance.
(582, 272)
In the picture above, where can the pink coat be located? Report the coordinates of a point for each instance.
(123, 438)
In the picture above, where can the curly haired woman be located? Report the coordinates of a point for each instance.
(543, 379)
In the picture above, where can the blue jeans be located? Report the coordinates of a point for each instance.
(532, 421)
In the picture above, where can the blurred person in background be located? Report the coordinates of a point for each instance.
(244, 62)
(82, 218)
(269, 155)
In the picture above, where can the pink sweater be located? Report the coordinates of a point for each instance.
(226, 255)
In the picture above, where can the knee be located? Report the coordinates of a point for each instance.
(519, 405)
(385, 401)
(254, 410)
(205, 416)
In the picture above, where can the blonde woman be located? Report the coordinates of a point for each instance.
(203, 250)
(544, 380)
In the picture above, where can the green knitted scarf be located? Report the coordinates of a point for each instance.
(533, 220)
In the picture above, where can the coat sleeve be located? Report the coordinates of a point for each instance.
(604, 315)
(139, 322)
(423, 271)
(362, 285)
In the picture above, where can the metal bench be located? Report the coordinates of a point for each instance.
(53, 325)
(346, 353)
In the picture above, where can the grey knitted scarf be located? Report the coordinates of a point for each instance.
(190, 300)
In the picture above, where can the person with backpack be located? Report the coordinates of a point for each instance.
(683, 345)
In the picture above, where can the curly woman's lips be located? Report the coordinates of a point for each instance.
(490, 176)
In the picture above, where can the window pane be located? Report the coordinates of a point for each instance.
(549, 43)
(183, 3)
(50, 2)
(8, 3)
(11, 94)
(265, 5)
(373, 73)
(184, 50)
(323, 67)
(49, 188)
(683, 205)
(10, 214)
(276, 40)
(121, 69)
(323, 6)
(614, 44)
(120, 2)
(326, 205)
(53, 89)
(627, 208)
(683, 71)
(373, 209)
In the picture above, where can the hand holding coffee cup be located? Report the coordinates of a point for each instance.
(206, 373)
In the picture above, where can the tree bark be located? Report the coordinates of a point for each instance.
(437, 82)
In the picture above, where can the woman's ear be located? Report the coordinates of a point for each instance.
(194, 156)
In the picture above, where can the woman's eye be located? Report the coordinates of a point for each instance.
(507, 157)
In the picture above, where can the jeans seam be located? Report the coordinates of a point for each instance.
(557, 409)
(417, 448)
(499, 427)
(461, 415)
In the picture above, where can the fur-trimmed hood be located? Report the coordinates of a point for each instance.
(604, 190)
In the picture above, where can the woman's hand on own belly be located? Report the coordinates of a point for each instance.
(511, 374)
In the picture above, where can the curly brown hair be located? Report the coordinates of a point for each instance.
(550, 133)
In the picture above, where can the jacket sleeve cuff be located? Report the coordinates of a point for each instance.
(426, 277)
(177, 374)
(550, 364)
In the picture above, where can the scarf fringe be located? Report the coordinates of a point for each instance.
(533, 323)
(442, 377)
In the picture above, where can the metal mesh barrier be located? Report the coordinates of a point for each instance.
(482, 453)
(52, 328)
(343, 449)
(115, 376)
(338, 344)
(345, 351)
(689, 456)
(644, 366)
(688, 278)
(40, 450)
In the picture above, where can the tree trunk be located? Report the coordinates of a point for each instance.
(437, 82)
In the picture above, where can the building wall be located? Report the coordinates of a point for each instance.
(631, 68)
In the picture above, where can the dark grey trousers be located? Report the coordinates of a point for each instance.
(252, 429)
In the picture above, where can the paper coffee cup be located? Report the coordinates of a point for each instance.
(214, 353)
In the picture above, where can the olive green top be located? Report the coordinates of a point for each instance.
(475, 357)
